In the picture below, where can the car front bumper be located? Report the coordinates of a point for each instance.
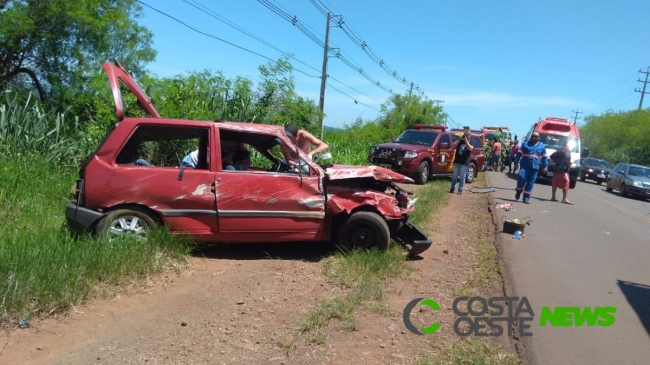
(413, 238)
(80, 219)
(594, 175)
(642, 192)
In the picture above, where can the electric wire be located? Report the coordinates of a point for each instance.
(294, 20)
(247, 50)
(213, 14)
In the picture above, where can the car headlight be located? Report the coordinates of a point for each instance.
(636, 183)
(590, 170)
(410, 154)
(372, 150)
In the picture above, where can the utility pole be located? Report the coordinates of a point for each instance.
(575, 118)
(323, 80)
(438, 102)
(644, 85)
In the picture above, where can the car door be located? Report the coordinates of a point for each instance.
(256, 203)
(619, 175)
(443, 148)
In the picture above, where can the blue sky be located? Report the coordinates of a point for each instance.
(491, 62)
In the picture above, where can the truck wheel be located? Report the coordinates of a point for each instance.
(125, 222)
(471, 173)
(572, 184)
(423, 173)
(365, 230)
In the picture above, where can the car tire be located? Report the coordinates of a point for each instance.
(583, 178)
(599, 182)
(423, 173)
(608, 187)
(471, 173)
(130, 221)
(365, 230)
(622, 190)
(572, 184)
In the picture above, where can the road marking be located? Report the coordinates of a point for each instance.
(617, 206)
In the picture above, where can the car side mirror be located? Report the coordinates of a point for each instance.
(621, 172)
(444, 145)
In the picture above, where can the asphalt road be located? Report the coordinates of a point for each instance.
(594, 253)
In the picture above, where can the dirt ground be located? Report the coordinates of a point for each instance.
(240, 304)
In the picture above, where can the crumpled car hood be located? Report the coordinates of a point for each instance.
(340, 172)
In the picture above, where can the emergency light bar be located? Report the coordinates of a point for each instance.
(430, 126)
(560, 121)
(494, 128)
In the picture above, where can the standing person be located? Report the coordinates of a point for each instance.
(496, 154)
(530, 153)
(304, 140)
(513, 152)
(461, 161)
(562, 160)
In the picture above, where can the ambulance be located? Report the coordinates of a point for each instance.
(553, 132)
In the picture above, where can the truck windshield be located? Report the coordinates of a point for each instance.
(416, 137)
(555, 142)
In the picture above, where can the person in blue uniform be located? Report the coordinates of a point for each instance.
(531, 153)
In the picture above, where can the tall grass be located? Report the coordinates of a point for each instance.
(44, 269)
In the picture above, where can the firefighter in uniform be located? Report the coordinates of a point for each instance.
(531, 153)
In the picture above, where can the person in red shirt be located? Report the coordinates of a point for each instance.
(562, 160)
(513, 152)
(496, 154)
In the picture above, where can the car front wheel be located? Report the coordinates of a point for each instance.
(125, 222)
(365, 230)
(423, 173)
(608, 187)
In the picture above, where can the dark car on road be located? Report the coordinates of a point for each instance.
(594, 169)
(630, 179)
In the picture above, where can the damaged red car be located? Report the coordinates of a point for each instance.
(222, 181)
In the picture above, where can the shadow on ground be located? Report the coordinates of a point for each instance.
(638, 295)
(300, 251)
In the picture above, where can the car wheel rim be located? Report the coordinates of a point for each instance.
(128, 226)
(425, 173)
(470, 173)
(363, 236)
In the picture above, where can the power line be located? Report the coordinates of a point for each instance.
(361, 43)
(213, 14)
(335, 52)
(247, 50)
(575, 119)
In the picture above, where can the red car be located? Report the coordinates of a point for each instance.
(155, 171)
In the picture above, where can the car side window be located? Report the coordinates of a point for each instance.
(254, 152)
(476, 142)
(444, 138)
(166, 146)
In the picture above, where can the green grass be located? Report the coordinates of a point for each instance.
(471, 351)
(363, 273)
(43, 269)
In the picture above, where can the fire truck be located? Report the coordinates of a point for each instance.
(553, 132)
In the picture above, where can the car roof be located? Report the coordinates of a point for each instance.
(222, 124)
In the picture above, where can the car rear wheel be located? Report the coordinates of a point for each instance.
(471, 173)
(622, 190)
(125, 222)
(423, 173)
(365, 230)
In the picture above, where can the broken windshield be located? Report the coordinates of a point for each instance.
(418, 138)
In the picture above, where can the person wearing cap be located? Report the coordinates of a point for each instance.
(304, 140)
(531, 153)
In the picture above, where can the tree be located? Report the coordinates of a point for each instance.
(57, 45)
